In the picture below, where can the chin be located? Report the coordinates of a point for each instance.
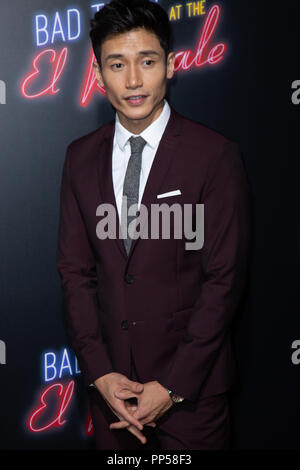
(137, 113)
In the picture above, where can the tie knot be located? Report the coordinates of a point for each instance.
(137, 144)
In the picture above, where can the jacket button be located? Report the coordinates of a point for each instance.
(124, 325)
(129, 278)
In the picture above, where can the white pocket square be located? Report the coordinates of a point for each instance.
(170, 193)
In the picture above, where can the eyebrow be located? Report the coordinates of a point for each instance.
(142, 53)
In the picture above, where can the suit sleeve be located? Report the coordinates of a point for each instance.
(77, 269)
(224, 263)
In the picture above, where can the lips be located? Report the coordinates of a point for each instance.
(135, 97)
(136, 100)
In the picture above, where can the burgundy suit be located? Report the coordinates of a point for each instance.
(169, 307)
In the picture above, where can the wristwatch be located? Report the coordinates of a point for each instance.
(175, 398)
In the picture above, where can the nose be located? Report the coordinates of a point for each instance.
(133, 79)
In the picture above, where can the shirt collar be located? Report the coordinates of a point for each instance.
(152, 134)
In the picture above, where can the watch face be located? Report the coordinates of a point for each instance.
(177, 399)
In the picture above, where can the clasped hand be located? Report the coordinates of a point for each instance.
(153, 401)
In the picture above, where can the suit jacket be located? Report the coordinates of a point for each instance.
(171, 306)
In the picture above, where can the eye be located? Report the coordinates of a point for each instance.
(149, 60)
(114, 65)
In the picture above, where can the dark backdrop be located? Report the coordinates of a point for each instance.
(247, 97)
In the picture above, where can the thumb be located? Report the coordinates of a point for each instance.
(138, 387)
(134, 386)
(123, 394)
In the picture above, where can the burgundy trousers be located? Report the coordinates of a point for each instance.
(202, 425)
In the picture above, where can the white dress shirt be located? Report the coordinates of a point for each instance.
(122, 151)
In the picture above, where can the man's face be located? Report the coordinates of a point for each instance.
(133, 64)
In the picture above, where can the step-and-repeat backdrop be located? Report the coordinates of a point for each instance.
(236, 73)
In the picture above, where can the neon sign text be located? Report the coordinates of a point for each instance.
(43, 418)
(58, 61)
(61, 28)
(64, 394)
(215, 54)
(56, 399)
(58, 365)
(97, 6)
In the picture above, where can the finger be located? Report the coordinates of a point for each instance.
(123, 424)
(121, 412)
(131, 428)
(132, 408)
(127, 416)
(141, 413)
(132, 385)
(124, 394)
(138, 434)
(137, 414)
(119, 425)
(118, 415)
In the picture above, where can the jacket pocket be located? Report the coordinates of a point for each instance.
(181, 318)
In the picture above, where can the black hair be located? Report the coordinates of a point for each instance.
(120, 16)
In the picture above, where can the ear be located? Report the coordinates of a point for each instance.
(98, 74)
(170, 64)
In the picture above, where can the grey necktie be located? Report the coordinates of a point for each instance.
(131, 184)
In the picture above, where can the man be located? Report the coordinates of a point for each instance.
(149, 319)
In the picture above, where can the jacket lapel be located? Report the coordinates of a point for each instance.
(166, 151)
(104, 168)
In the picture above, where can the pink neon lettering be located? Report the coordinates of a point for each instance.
(65, 394)
(58, 66)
